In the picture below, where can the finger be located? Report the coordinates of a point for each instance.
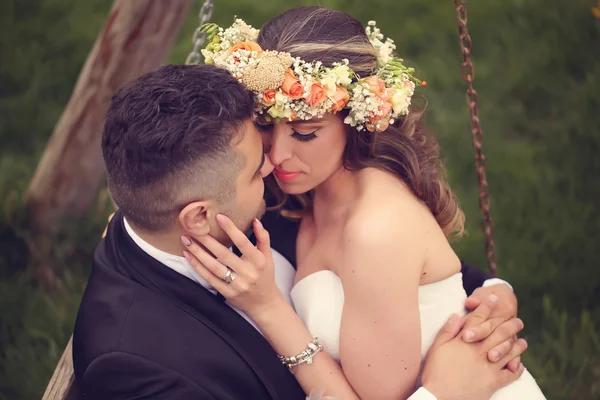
(448, 332)
(221, 287)
(514, 364)
(502, 333)
(238, 238)
(482, 331)
(218, 250)
(472, 302)
(507, 377)
(516, 351)
(208, 261)
(501, 350)
(481, 313)
(263, 239)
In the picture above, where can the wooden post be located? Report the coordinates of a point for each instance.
(62, 384)
(135, 39)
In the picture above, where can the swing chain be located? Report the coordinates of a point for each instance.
(477, 134)
(199, 37)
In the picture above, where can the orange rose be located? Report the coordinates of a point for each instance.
(249, 46)
(384, 118)
(317, 94)
(340, 98)
(377, 87)
(386, 107)
(291, 86)
(268, 97)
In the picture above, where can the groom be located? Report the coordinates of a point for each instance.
(180, 147)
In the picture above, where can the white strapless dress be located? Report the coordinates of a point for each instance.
(319, 301)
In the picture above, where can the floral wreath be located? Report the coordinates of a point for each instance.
(288, 87)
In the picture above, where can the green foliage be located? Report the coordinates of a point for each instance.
(566, 359)
(538, 79)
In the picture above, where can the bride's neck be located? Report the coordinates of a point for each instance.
(336, 193)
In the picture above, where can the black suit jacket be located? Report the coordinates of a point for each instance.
(144, 331)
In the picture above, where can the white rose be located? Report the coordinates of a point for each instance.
(342, 72)
(279, 110)
(329, 84)
(400, 101)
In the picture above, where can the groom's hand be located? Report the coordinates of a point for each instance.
(457, 370)
(504, 309)
(507, 305)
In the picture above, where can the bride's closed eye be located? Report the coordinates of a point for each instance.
(303, 137)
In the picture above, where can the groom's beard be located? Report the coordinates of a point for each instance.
(262, 209)
(247, 226)
(243, 222)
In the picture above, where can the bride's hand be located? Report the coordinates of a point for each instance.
(253, 288)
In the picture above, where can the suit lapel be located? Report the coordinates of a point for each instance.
(207, 308)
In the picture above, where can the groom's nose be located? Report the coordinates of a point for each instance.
(267, 167)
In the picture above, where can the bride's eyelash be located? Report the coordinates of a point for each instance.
(304, 137)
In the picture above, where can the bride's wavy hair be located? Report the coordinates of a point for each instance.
(404, 149)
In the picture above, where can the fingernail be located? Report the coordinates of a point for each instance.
(258, 223)
(186, 241)
(493, 298)
(221, 219)
(451, 319)
(520, 323)
(495, 355)
(469, 336)
(187, 255)
(521, 367)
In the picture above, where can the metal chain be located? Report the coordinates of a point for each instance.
(199, 37)
(477, 134)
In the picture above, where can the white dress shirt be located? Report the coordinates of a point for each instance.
(284, 278)
(284, 271)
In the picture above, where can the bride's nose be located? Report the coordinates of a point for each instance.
(280, 148)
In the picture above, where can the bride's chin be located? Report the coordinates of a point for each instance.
(293, 189)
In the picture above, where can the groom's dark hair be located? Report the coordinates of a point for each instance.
(168, 139)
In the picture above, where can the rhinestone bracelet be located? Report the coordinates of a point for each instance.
(305, 356)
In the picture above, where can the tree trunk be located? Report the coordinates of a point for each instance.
(135, 39)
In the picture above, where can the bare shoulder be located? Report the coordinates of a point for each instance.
(386, 211)
(385, 233)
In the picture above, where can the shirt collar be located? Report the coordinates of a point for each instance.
(176, 263)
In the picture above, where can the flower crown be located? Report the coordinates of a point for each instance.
(288, 87)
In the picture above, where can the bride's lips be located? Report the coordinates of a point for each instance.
(283, 175)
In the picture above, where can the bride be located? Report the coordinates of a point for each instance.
(377, 277)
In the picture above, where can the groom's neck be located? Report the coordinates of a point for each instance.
(169, 241)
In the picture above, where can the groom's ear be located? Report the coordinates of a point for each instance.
(194, 218)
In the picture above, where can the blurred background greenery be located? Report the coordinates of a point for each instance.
(538, 78)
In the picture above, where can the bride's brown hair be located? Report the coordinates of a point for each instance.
(404, 149)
